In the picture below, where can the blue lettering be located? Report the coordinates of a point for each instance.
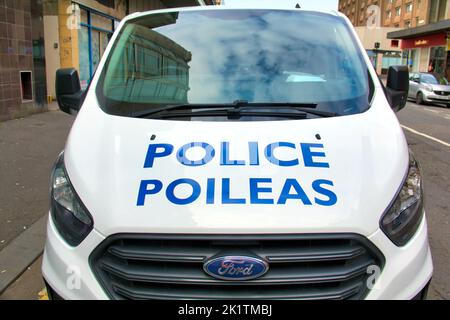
(170, 192)
(209, 154)
(300, 194)
(225, 157)
(255, 190)
(253, 153)
(332, 198)
(282, 163)
(143, 190)
(226, 194)
(308, 155)
(210, 191)
(152, 153)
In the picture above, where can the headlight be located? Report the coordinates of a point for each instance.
(69, 215)
(428, 88)
(403, 217)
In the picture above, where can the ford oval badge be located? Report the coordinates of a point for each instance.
(236, 268)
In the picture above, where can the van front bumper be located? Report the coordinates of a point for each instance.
(406, 273)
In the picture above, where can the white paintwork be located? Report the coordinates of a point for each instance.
(367, 153)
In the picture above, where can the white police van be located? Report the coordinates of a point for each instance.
(236, 153)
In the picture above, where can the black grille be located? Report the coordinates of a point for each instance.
(171, 266)
(442, 93)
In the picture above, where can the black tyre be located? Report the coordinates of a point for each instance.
(419, 99)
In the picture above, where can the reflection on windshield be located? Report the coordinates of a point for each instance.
(149, 67)
(430, 79)
(220, 56)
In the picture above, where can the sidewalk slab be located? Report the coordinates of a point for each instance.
(21, 253)
(28, 149)
(30, 285)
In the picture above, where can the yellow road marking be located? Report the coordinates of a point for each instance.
(43, 294)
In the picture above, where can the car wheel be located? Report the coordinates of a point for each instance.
(419, 99)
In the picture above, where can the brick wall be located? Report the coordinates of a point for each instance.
(16, 55)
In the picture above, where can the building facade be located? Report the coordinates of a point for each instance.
(84, 29)
(22, 59)
(39, 37)
(382, 52)
(417, 32)
(395, 13)
(370, 23)
(426, 48)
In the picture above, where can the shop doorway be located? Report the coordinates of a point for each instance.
(437, 62)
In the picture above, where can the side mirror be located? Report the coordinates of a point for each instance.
(68, 90)
(397, 87)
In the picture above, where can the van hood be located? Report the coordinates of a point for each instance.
(348, 171)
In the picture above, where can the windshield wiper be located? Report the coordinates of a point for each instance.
(231, 115)
(237, 107)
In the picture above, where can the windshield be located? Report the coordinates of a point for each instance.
(429, 79)
(223, 56)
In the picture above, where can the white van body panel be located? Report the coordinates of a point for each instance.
(105, 156)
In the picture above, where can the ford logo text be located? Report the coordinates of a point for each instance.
(236, 268)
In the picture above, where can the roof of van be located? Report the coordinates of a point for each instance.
(227, 7)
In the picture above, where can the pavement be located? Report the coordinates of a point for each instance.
(430, 143)
(28, 148)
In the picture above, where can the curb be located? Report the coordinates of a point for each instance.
(17, 256)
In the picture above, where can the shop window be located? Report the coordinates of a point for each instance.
(437, 60)
(93, 37)
(26, 85)
(411, 58)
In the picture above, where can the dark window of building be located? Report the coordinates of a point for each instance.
(108, 3)
(26, 85)
(409, 7)
(437, 10)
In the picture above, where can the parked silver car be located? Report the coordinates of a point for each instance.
(427, 88)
